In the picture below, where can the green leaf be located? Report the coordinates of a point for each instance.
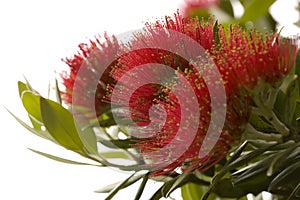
(225, 188)
(216, 32)
(22, 87)
(227, 7)
(252, 170)
(89, 140)
(280, 160)
(114, 188)
(60, 124)
(256, 9)
(118, 143)
(192, 191)
(29, 87)
(255, 185)
(294, 192)
(31, 103)
(297, 67)
(247, 157)
(291, 96)
(265, 23)
(36, 124)
(115, 154)
(237, 153)
(118, 187)
(200, 13)
(257, 144)
(288, 175)
(57, 92)
(168, 187)
(63, 160)
(161, 191)
(260, 124)
(142, 187)
(240, 161)
(42, 134)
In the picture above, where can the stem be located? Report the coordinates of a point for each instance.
(269, 115)
(252, 133)
(265, 105)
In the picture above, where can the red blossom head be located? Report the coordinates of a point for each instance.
(94, 57)
(242, 57)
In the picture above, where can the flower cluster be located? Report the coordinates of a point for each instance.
(241, 57)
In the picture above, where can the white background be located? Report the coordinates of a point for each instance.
(34, 36)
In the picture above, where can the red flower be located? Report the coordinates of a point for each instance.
(242, 57)
(246, 56)
(96, 58)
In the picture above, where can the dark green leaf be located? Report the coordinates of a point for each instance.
(297, 67)
(114, 188)
(261, 143)
(216, 32)
(260, 124)
(291, 96)
(240, 161)
(254, 184)
(117, 188)
(252, 170)
(142, 187)
(184, 179)
(288, 175)
(123, 144)
(279, 160)
(294, 192)
(171, 185)
(160, 192)
(227, 7)
(237, 153)
(129, 181)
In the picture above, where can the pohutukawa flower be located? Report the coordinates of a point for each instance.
(94, 57)
(242, 58)
(246, 56)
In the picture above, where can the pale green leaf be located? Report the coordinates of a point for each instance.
(63, 160)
